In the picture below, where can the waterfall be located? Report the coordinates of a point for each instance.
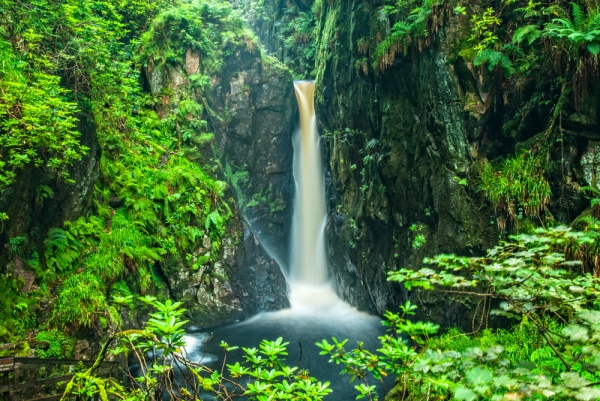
(316, 312)
(310, 288)
(308, 259)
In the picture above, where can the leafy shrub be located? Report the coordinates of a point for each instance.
(37, 123)
(535, 284)
(209, 27)
(62, 250)
(59, 345)
(414, 27)
(516, 188)
(81, 302)
(552, 352)
(262, 375)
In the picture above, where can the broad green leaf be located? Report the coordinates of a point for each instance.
(576, 333)
(464, 394)
(594, 48)
(588, 394)
(480, 376)
(574, 380)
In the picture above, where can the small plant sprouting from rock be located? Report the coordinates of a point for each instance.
(516, 183)
(417, 234)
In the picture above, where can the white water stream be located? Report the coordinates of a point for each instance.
(310, 289)
(308, 260)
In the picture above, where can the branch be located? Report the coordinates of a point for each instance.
(541, 329)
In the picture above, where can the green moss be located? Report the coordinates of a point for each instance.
(326, 29)
(4, 335)
(19, 348)
(209, 27)
(59, 344)
(274, 64)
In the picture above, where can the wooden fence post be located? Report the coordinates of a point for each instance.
(16, 377)
(6, 395)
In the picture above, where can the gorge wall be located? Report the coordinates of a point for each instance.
(409, 133)
(398, 146)
(253, 100)
(184, 192)
(406, 145)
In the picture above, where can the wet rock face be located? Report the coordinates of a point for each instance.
(252, 138)
(404, 145)
(590, 163)
(260, 286)
(255, 147)
(207, 292)
(398, 146)
(246, 281)
(256, 152)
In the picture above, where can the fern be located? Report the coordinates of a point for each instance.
(589, 222)
(124, 247)
(580, 29)
(594, 20)
(494, 59)
(43, 192)
(216, 221)
(62, 250)
(81, 302)
(594, 48)
(579, 17)
(592, 190)
(517, 187)
(529, 33)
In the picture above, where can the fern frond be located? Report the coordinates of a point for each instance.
(560, 26)
(579, 17)
(591, 190)
(576, 37)
(528, 32)
(62, 249)
(493, 59)
(594, 20)
(592, 36)
(594, 48)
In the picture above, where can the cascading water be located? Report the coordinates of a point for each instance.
(316, 312)
(308, 259)
(310, 289)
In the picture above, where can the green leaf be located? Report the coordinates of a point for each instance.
(590, 316)
(574, 380)
(464, 394)
(576, 333)
(480, 376)
(594, 48)
(588, 394)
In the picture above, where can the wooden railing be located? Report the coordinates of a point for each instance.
(39, 379)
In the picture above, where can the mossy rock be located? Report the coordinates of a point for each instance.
(19, 348)
(4, 335)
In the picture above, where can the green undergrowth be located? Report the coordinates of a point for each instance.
(415, 23)
(157, 201)
(571, 29)
(59, 345)
(551, 351)
(291, 27)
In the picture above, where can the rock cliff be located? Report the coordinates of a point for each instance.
(405, 145)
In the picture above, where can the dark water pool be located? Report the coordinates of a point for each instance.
(302, 326)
